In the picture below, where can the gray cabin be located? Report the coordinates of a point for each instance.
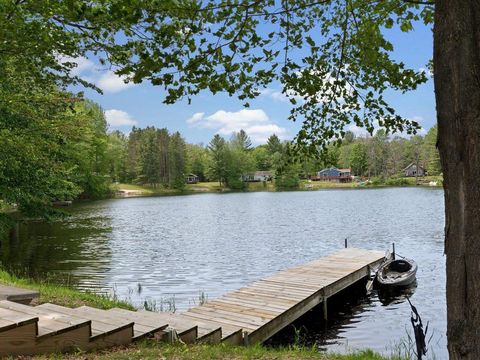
(191, 179)
(411, 170)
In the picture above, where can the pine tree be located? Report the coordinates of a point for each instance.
(176, 161)
(242, 141)
(218, 152)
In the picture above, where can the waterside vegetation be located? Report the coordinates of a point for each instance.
(62, 294)
(130, 190)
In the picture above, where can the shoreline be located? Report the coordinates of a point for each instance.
(123, 191)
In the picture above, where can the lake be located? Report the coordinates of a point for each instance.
(174, 251)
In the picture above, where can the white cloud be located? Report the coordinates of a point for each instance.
(106, 80)
(255, 122)
(83, 64)
(195, 118)
(113, 83)
(118, 118)
(279, 96)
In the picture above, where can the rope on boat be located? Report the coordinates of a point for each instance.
(420, 335)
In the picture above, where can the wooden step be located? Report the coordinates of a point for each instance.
(187, 333)
(208, 333)
(103, 334)
(230, 334)
(22, 296)
(55, 332)
(49, 323)
(139, 330)
(18, 332)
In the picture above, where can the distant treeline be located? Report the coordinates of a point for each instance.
(59, 148)
(156, 157)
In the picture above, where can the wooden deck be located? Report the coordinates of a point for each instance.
(248, 315)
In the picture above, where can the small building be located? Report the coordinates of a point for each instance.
(258, 176)
(411, 170)
(333, 174)
(191, 179)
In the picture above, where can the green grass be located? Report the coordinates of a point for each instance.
(261, 186)
(145, 190)
(212, 186)
(317, 185)
(405, 181)
(150, 350)
(63, 295)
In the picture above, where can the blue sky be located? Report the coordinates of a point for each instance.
(141, 105)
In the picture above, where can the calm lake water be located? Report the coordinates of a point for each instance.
(174, 250)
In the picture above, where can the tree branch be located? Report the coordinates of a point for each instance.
(419, 2)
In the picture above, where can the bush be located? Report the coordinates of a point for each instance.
(376, 181)
(287, 181)
(397, 182)
(236, 183)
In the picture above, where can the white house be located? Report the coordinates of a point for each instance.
(258, 176)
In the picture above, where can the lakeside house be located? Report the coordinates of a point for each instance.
(258, 176)
(191, 179)
(333, 174)
(411, 170)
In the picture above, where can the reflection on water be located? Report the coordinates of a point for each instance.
(395, 295)
(211, 243)
(75, 249)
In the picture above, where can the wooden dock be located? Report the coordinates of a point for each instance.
(248, 315)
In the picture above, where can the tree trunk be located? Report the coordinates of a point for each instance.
(457, 92)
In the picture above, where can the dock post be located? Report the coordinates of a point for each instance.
(246, 340)
(325, 309)
(393, 245)
(346, 243)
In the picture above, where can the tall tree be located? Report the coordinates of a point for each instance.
(358, 159)
(117, 156)
(150, 157)
(262, 158)
(397, 157)
(414, 150)
(218, 159)
(132, 162)
(196, 160)
(162, 142)
(176, 161)
(377, 149)
(456, 60)
(241, 140)
(274, 145)
(238, 162)
(86, 146)
(430, 152)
